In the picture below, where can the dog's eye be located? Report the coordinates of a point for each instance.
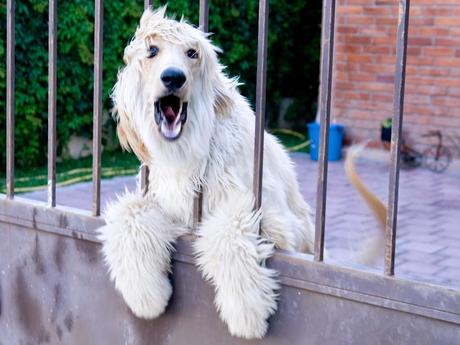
(153, 51)
(192, 54)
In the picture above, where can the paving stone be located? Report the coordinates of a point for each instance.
(422, 247)
(421, 237)
(453, 262)
(450, 237)
(410, 267)
(451, 275)
(422, 258)
(451, 251)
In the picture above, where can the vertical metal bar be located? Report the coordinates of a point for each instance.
(398, 111)
(10, 99)
(198, 199)
(97, 107)
(144, 179)
(204, 15)
(148, 3)
(52, 58)
(144, 168)
(197, 209)
(260, 101)
(327, 55)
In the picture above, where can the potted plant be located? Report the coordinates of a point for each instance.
(385, 133)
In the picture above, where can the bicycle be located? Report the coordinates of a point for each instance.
(410, 157)
(437, 157)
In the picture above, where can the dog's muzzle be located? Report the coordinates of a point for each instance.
(170, 116)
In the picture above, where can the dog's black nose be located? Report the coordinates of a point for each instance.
(173, 78)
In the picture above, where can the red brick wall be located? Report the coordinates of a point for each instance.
(365, 63)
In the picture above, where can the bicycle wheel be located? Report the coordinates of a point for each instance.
(437, 163)
(410, 159)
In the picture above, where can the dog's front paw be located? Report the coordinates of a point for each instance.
(229, 254)
(139, 267)
(245, 307)
(146, 297)
(137, 244)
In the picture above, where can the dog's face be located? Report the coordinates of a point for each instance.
(169, 73)
(171, 88)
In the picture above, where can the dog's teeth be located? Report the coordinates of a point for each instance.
(172, 131)
(170, 115)
(157, 113)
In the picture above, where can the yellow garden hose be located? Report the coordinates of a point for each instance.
(296, 134)
(106, 172)
(68, 179)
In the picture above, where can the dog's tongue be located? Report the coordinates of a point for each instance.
(169, 113)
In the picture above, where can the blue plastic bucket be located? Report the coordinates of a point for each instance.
(335, 141)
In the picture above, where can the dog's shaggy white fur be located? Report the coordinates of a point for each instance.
(212, 150)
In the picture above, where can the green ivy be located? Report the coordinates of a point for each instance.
(292, 67)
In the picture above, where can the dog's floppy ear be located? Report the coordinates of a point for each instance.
(125, 98)
(223, 102)
(130, 140)
(220, 86)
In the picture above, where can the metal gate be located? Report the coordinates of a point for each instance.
(54, 288)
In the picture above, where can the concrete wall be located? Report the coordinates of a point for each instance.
(54, 289)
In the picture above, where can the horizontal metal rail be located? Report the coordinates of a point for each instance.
(297, 269)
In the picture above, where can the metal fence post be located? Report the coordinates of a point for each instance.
(10, 68)
(144, 168)
(397, 121)
(97, 106)
(52, 60)
(198, 199)
(260, 101)
(327, 56)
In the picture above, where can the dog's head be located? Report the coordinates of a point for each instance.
(171, 88)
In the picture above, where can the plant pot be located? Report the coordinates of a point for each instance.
(385, 137)
(335, 141)
(385, 134)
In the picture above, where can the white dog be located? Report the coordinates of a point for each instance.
(186, 120)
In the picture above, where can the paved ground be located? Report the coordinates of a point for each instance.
(428, 240)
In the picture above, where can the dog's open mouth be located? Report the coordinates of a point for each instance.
(170, 116)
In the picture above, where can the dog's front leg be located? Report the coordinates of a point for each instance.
(231, 254)
(137, 243)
